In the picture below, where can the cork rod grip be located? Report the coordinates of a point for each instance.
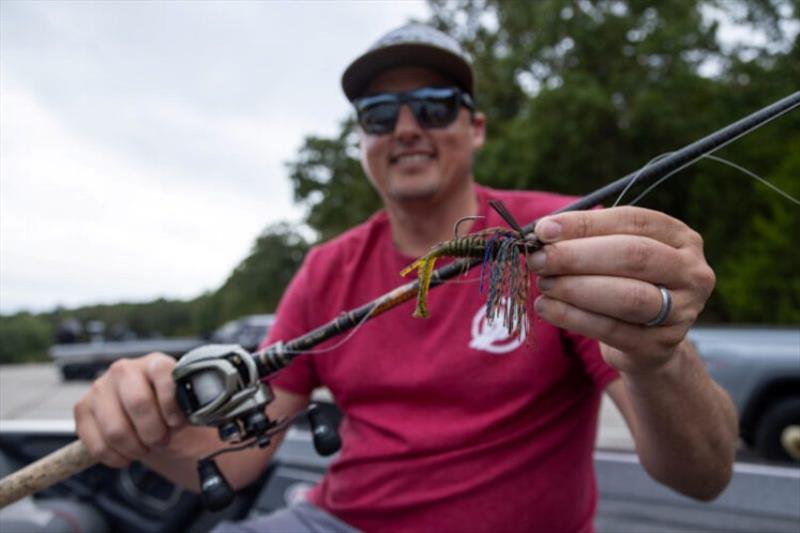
(47, 471)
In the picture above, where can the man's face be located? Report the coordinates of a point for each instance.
(412, 163)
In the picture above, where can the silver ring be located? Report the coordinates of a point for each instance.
(666, 307)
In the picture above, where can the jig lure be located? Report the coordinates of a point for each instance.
(503, 266)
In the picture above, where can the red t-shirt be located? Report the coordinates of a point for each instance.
(449, 425)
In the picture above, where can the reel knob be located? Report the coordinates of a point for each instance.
(214, 488)
(323, 431)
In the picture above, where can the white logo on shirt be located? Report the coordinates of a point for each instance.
(491, 335)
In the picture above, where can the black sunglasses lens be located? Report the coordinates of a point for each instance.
(379, 118)
(435, 107)
(432, 108)
(434, 114)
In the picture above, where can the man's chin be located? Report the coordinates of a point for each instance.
(413, 192)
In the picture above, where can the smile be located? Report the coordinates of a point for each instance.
(412, 158)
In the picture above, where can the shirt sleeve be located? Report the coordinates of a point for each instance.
(292, 321)
(589, 351)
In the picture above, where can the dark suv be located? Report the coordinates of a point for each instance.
(86, 360)
(760, 369)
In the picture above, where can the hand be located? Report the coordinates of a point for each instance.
(129, 410)
(599, 272)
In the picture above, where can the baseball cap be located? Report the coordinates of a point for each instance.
(410, 45)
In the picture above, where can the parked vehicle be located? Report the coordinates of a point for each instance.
(247, 331)
(760, 369)
(86, 360)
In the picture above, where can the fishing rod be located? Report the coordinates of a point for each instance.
(275, 357)
(222, 385)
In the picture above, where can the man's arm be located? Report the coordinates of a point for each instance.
(599, 275)
(683, 424)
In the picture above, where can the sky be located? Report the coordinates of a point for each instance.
(143, 145)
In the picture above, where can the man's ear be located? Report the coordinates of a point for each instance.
(478, 123)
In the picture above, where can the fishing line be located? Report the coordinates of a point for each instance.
(707, 154)
(341, 342)
(756, 176)
(630, 184)
(721, 160)
(465, 280)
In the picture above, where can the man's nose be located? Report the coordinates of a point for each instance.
(407, 126)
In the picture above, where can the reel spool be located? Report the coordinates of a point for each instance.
(220, 385)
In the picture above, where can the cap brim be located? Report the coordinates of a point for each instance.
(364, 69)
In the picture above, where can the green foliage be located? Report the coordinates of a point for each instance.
(328, 179)
(256, 285)
(24, 338)
(207, 312)
(579, 93)
(759, 278)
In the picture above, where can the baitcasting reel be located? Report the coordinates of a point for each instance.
(220, 385)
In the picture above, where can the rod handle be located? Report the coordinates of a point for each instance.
(47, 471)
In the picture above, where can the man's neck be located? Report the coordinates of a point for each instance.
(417, 226)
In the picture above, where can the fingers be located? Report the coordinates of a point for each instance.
(633, 301)
(159, 371)
(141, 407)
(627, 339)
(113, 424)
(612, 255)
(87, 428)
(599, 274)
(129, 410)
(615, 221)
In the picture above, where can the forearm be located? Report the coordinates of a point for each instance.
(684, 425)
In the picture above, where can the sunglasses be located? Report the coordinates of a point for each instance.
(432, 107)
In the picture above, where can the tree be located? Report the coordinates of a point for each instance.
(578, 93)
(759, 277)
(23, 338)
(328, 179)
(257, 283)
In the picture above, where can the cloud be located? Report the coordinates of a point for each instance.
(108, 224)
(144, 144)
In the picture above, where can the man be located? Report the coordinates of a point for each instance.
(449, 425)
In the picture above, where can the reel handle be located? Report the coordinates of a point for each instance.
(323, 432)
(215, 490)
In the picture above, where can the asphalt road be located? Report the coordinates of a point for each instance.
(37, 392)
